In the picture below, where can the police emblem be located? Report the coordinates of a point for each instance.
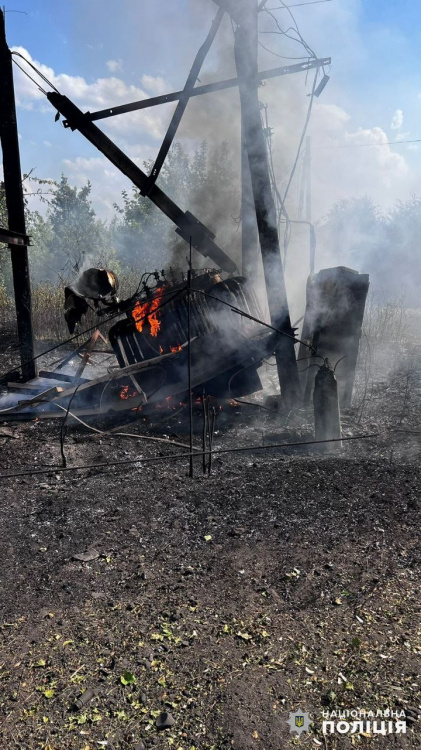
(299, 722)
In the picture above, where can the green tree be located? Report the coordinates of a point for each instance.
(78, 238)
(204, 183)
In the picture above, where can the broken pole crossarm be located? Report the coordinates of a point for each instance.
(188, 225)
(208, 88)
(184, 98)
(15, 207)
(13, 238)
(245, 50)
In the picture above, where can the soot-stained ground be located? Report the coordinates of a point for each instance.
(282, 582)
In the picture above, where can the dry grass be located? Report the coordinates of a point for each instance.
(48, 308)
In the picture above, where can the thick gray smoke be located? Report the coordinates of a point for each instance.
(217, 118)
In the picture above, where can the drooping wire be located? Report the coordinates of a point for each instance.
(303, 135)
(295, 36)
(310, 56)
(299, 5)
(294, 28)
(25, 72)
(282, 57)
(38, 72)
(35, 471)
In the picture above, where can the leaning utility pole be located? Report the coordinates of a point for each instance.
(249, 235)
(15, 206)
(249, 232)
(245, 50)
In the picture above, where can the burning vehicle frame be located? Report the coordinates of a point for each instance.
(183, 338)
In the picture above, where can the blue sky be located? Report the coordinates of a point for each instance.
(102, 53)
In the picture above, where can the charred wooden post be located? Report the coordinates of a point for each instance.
(15, 207)
(249, 236)
(332, 325)
(245, 50)
(327, 421)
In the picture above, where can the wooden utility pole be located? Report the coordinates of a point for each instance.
(308, 178)
(245, 50)
(249, 235)
(15, 206)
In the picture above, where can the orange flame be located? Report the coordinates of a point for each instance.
(148, 311)
(176, 349)
(125, 393)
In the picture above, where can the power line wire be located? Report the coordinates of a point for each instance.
(25, 72)
(38, 72)
(303, 134)
(176, 456)
(283, 57)
(298, 5)
(367, 145)
(294, 28)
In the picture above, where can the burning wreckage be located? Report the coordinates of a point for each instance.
(200, 330)
(203, 334)
(161, 331)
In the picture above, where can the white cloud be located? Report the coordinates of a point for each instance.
(115, 66)
(100, 94)
(155, 85)
(397, 120)
(349, 162)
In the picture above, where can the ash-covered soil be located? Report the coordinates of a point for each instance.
(284, 581)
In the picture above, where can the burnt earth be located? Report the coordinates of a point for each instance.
(281, 582)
